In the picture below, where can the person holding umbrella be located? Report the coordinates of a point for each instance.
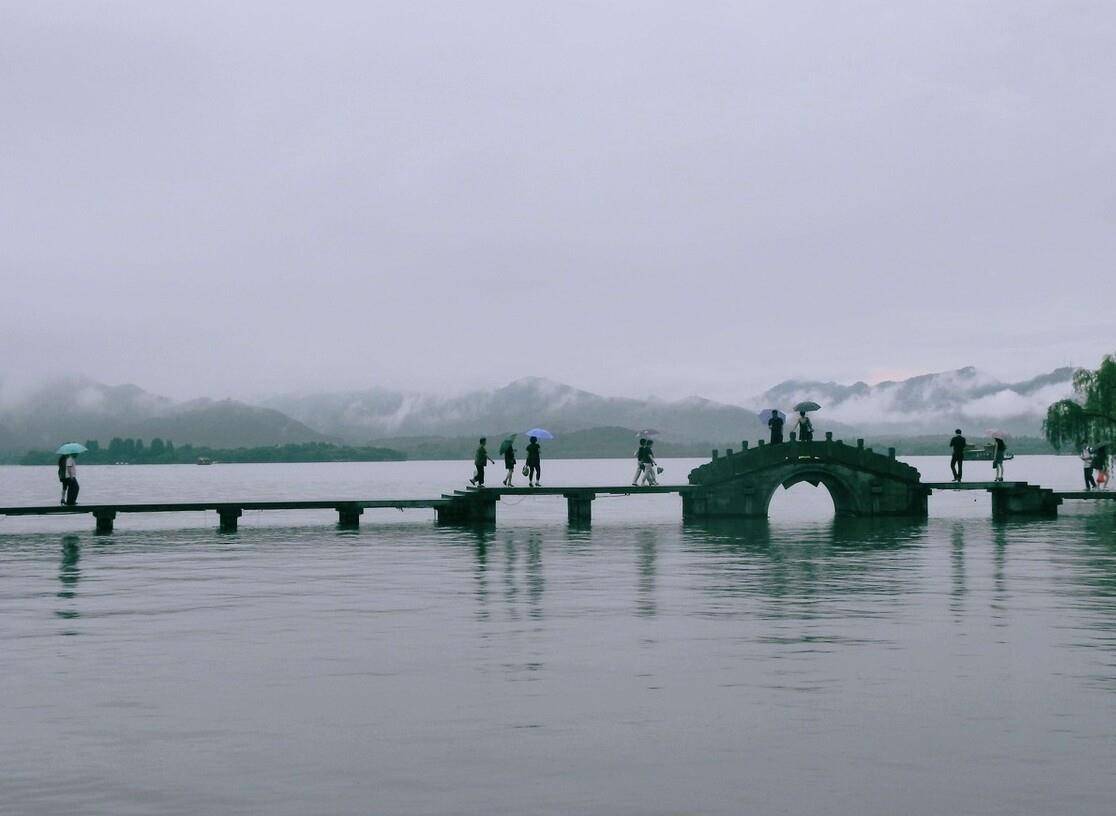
(802, 425)
(534, 463)
(480, 460)
(998, 449)
(67, 471)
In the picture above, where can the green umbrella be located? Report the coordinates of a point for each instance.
(507, 443)
(71, 449)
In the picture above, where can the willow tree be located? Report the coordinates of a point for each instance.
(1090, 416)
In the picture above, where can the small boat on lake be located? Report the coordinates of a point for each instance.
(204, 460)
(983, 453)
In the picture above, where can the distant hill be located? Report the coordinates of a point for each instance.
(79, 409)
(529, 402)
(587, 424)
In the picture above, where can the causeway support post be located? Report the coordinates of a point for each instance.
(579, 509)
(1010, 501)
(469, 509)
(104, 519)
(229, 516)
(348, 516)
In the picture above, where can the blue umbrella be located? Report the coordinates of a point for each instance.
(71, 448)
(540, 433)
(765, 416)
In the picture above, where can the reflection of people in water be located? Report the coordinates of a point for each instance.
(68, 572)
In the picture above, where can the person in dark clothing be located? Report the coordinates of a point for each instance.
(776, 426)
(481, 460)
(509, 463)
(957, 458)
(998, 458)
(641, 460)
(62, 476)
(534, 463)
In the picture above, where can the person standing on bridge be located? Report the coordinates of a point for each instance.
(1100, 465)
(957, 458)
(69, 467)
(534, 463)
(1088, 459)
(776, 426)
(998, 457)
(480, 460)
(804, 427)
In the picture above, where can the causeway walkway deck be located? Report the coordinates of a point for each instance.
(472, 504)
(478, 505)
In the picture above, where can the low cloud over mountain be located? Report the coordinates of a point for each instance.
(930, 404)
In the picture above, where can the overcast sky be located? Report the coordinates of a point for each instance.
(634, 197)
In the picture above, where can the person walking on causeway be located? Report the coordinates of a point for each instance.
(957, 458)
(480, 460)
(650, 465)
(509, 463)
(534, 463)
(641, 460)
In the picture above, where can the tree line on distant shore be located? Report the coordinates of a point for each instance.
(165, 452)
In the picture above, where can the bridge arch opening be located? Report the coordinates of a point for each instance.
(792, 496)
(801, 502)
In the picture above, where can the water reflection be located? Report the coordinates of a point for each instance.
(69, 573)
(645, 586)
(798, 569)
(957, 569)
(536, 583)
(480, 573)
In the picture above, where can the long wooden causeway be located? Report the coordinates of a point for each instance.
(736, 485)
(460, 507)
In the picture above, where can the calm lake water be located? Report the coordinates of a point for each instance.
(953, 666)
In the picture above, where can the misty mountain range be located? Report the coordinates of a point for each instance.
(82, 409)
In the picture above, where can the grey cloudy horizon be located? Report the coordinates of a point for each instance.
(633, 198)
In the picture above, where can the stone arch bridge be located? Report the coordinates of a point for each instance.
(861, 482)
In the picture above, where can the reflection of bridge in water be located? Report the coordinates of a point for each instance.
(740, 485)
